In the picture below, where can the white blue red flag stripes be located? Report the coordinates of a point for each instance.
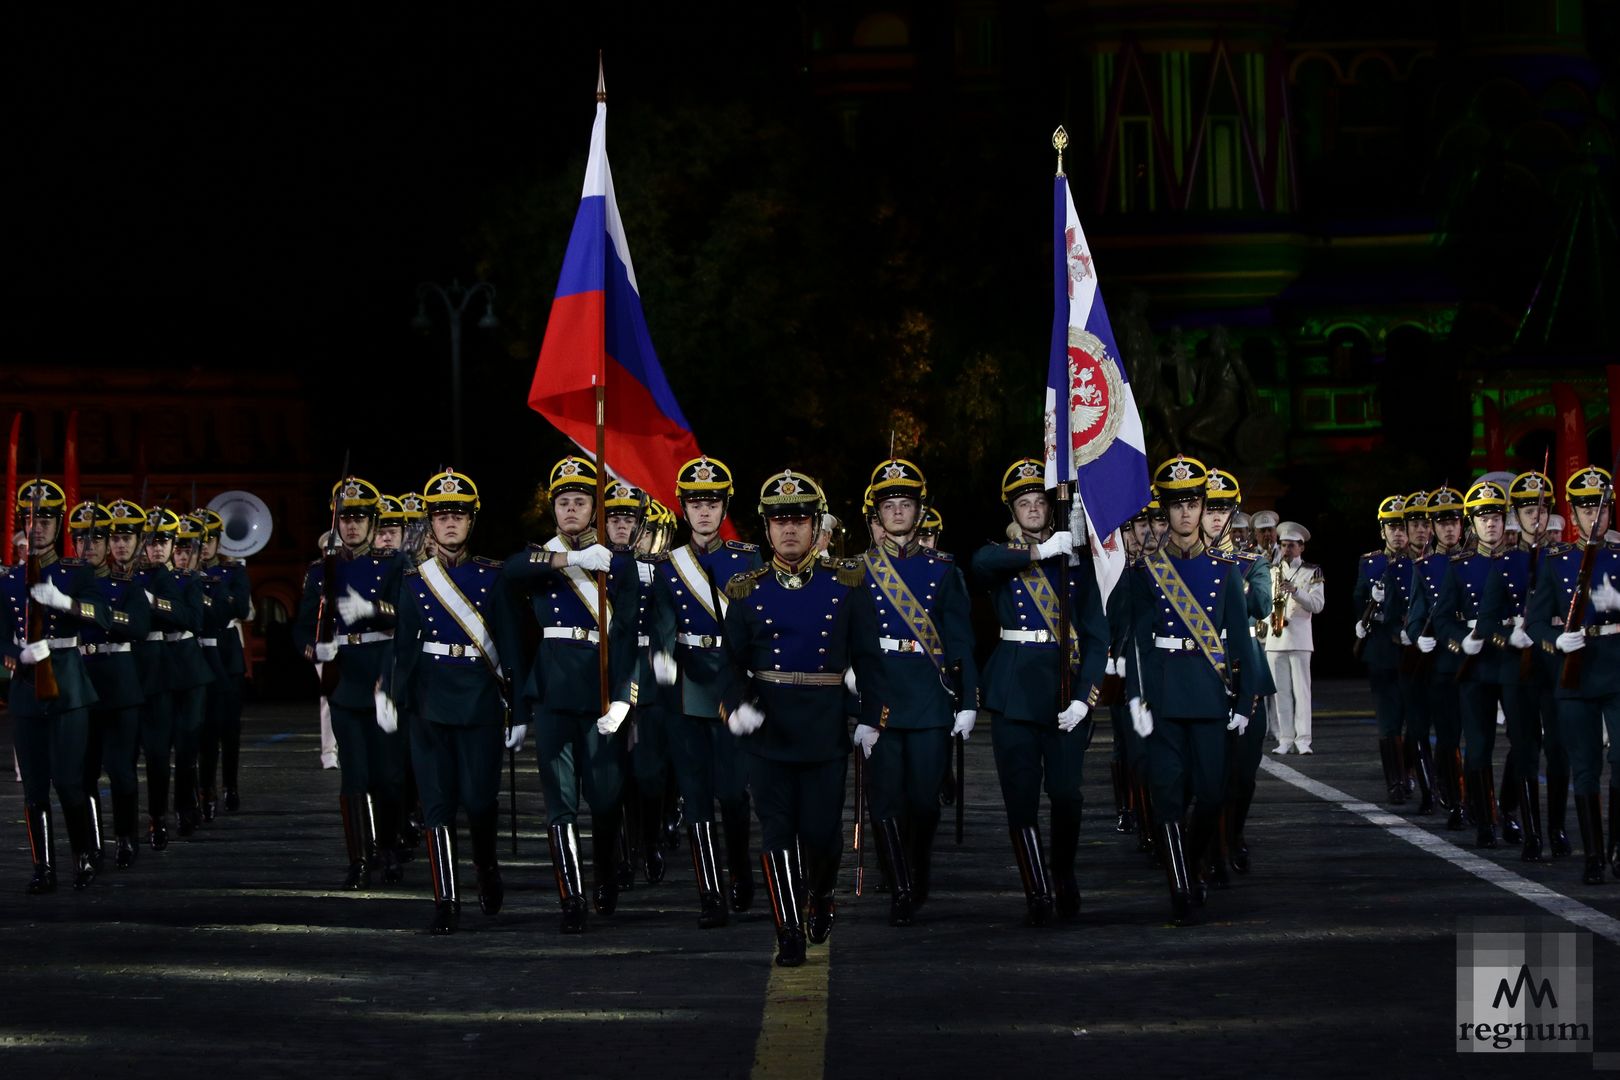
(1093, 431)
(597, 333)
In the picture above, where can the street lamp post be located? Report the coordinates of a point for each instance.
(455, 298)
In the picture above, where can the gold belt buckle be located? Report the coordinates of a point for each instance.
(354, 639)
(580, 633)
(90, 649)
(458, 649)
(708, 641)
(1188, 644)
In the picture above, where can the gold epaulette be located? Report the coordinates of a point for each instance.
(1221, 556)
(851, 572)
(655, 557)
(481, 561)
(741, 586)
(942, 556)
(1463, 555)
(738, 545)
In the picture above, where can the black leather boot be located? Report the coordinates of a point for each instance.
(210, 805)
(706, 872)
(356, 841)
(1589, 816)
(570, 879)
(605, 862)
(1065, 842)
(1200, 852)
(93, 834)
(1236, 843)
(1530, 819)
(1479, 799)
(77, 820)
(441, 853)
(629, 838)
(1454, 784)
(1175, 869)
(41, 845)
(1394, 778)
(1425, 777)
(491, 891)
(1508, 807)
(785, 906)
(920, 845)
(734, 818)
(1614, 828)
(126, 811)
(822, 886)
(652, 838)
(386, 823)
(157, 832)
(186, 815)
(1144, 820)
(1557, 811)
(894, 848)
(1036, 877)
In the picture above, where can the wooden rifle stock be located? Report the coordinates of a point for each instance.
(1569, 677)
(1366, 620)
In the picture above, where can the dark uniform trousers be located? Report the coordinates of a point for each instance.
(50, 745)
(573, 754)
(905, 771)
(799, 801)
(1183, 755)
(1025, 751)
(456, 766)
(710, 765)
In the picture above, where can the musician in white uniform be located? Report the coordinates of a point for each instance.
(1297, 590)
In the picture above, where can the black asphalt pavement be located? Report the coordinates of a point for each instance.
(232, 954)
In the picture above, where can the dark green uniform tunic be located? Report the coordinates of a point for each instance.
(222, 733)
(1594, 702)
(109, 657)
(1381, 651)
(1022, 677)
(1456, 614)
(175, 612)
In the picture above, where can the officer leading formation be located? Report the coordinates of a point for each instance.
(671, 679)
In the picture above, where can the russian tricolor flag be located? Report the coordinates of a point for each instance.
(597, 335)
(1093, 431)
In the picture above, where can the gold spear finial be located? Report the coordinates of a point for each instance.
(1060, 142)
(601, 81)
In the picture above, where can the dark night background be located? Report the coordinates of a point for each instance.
(840, 218)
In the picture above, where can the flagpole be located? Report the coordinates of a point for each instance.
(600, 379)
(1062, 511)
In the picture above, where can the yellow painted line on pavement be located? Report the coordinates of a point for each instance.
(793, 1032)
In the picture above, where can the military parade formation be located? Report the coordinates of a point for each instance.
(1476, 615)
(658, 681)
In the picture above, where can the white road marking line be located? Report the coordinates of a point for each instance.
(1570, 910)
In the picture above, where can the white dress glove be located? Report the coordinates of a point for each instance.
(387, 714)
(352, 607)
(1426, 644)
(325, 651)
(48, 594)
(1378, 592)
(1070, 718)
(1141, 717)
(609, 721)
(1239, 723)
(1519, 639)
(745, 719)
(1361, 630)
(849, 680)
(664, 671)
(1572, 641)
(150, 599)
(866, 737)
(1473, 646)
(1060, 543)
(1405, 640)
(594, 558)
(34, 652)
(515, 736)
(1605, 597)
(964, 723)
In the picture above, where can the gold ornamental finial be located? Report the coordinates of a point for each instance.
(1060, 142)
(601, 80)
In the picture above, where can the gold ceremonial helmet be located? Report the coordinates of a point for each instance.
(450, 490)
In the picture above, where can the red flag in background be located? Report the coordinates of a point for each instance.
(1570, 451)
(70, 479)
(11, 486)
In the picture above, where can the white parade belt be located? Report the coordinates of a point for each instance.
(571, 633)
(643, 640)
(155, 635)
(64, 642)
(902, 645)
(439, 648)
(104, 647)
(181, 635)
(209, 642)
(1028, 637)
(1179, 644)
(699, 641)
(365, 638)
(1603, 630)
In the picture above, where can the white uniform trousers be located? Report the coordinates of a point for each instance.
(1291, 719)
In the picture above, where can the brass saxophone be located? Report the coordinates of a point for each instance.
(1279, 603)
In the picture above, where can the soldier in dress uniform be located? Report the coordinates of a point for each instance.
(929, 686)
(390, 533)
(793, 629)
(1031, 731)
(359, 639)
(1380, 634)
(1223, 497)
(109, 659)
(171, 662)
(201, 668)
(1191, 676)
(651, 762)
(50, 730)
(1401, 589)
(1265, 525)
(1456, 623)
(1437, 678)
(689, 606)
(932, 525)
(1589, 697)
(1297, 596)
(564, 693)
(456, 656)
(226, 585)
(1502, 611)
(1128, 765)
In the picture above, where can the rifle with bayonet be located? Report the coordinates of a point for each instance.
(1575, 618)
